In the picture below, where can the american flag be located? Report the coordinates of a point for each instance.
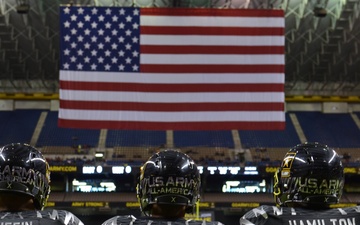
(171, 68)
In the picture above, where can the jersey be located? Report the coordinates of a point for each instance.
(35, 217)
(266, 215)
(131, 220)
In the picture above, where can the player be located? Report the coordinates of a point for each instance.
(168, 187)
(309, 181)
(25, 188)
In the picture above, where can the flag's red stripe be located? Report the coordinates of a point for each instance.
(250, 50)
(126, 125)
(220, 31)
(171, 107)
(214, 12)
(145, 87)
(150, 68)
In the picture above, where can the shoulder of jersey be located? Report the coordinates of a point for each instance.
(126, 219)
(51, 216)
(196, 222)
(66, 217)
(257, 215)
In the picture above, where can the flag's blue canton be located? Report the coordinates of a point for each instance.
(100, 39)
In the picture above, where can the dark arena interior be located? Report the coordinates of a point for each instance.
(94, 171)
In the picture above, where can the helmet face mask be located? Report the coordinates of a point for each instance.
(24, 170)
(168, 177)
(311, 175)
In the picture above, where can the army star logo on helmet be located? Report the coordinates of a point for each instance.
(287, 163)
(288, 160)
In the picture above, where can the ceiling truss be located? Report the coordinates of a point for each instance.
(322, 53)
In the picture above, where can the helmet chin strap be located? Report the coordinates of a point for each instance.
(173, 199)
(16, 187)
(178, 200)
(312, 201)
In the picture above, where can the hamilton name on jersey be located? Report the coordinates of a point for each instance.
(299, 216)
(333, 221)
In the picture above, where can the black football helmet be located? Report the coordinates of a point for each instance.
(24, 170)
(311, 175)
(169, 177)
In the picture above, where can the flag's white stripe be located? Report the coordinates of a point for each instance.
(208, 40)
(172, 78)
(112, 115)
(221, 59)
(209, 97)
(208, 21)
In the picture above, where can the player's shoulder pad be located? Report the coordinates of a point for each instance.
(198, 222)
(123, 219)
(257, 215)
(66, 217)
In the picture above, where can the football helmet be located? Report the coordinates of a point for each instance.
(168, 177)
(23, 169)
(311, 175)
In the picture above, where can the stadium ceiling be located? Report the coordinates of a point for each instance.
(322, 42)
